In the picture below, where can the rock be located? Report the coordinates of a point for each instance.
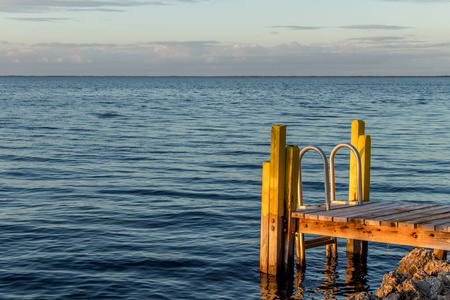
(420, 275)
(409, 290)
(437, 266)
(422, 259)
(445, 276)
(392, 282)
(401, 286)
(394, 297)
(431, 287)
(362, 296)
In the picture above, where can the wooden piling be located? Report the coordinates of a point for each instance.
(364, 148)
(300, 249)
(363, 144)
(291, 198)
(276, 198)
(358, 128)
(440, 254)
(264, 250)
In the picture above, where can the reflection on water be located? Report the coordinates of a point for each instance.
(294, 287)
(139, 188)
(299, 278)
(356, 272)
(276, 288)
(329, 286)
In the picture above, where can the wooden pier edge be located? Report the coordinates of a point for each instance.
(382, 234)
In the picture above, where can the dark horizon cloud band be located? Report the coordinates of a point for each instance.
(27, 6)
(52, 20)
(374, 27)
(73, 5)
(361, 27)
(293, 27)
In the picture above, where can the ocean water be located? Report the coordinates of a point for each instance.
(149, 188)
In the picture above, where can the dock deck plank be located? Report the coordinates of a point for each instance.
(413, 224)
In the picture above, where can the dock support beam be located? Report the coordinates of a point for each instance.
(440, 254)
(272, 208)
(264, 249)
(279, 200)
(363, 144)
(291, 199)
(276, 197)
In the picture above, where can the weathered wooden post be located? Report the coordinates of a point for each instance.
(363, 144)
(276, 197)
(440, 254)
(279, 200)
(291, 199)
(272, 210)
(264, 249)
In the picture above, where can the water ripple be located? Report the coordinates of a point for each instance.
(150, 188)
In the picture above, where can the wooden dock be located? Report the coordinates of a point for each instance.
(418, 225)
(285, 219)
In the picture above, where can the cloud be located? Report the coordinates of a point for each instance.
(190, 44)
(379, 55)
(375, 27)
(40, 19)
(299, 27)
(57, 45)
(361, 27)
(399, 44)
(14, 6)
(95, 9)
(378, 39)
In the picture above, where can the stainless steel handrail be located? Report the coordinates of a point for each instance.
(326, 175)
(358, 166)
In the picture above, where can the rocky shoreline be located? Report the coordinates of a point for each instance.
(420, 276)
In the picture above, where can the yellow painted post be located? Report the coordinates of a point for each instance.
(358, 127)
(264, 249)
(300, 241)
(291, 198)
(276, 198)
(363, 144)
(364, 148)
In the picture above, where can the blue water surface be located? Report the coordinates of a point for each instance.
(149, 188)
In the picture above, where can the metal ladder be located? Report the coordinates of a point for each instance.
(329, 179)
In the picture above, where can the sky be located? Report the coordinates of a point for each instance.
(225, 37)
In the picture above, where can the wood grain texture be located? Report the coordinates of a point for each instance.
(276, 198)
(382, 234)
(264, 243)
(358, 127)
(291, 199)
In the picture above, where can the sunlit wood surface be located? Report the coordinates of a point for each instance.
(418, 225)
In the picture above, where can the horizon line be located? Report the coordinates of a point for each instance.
(234, 76)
